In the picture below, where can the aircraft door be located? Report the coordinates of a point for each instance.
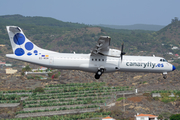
(51, 61)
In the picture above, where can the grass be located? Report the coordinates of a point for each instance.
(121, 98)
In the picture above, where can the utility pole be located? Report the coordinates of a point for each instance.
(124, 101)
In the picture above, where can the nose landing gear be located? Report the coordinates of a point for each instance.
(99, 73)
(164, 75)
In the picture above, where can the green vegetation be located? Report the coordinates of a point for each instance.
(81, 96)
(27, 68)
(59, 109)
(69, 117)
(65, 36)
(121, 98)
(135, 27)
(38, 89)
(71, 96)
(165, 95)
(175, 117)
(9, 97)
(16, 91)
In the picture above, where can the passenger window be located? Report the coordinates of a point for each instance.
(102, 59)
(92, 59)
(99, 59)
(95, 59)
(161, 60)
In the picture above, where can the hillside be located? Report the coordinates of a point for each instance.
(135, 27)
(170, 35)
(48, 32)
(66, 37)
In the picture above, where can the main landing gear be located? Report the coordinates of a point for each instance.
(99, 73)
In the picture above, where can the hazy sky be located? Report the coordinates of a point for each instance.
(112, 12)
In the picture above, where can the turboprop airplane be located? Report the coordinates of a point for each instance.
(101, 60)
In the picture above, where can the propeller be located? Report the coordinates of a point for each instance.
(122, 53)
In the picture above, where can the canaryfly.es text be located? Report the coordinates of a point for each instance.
(139, 64)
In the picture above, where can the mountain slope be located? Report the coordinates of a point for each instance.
(61, 36)
(135, 27)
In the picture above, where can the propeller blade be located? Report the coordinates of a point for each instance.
(122, 53)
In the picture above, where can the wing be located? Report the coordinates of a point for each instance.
(102, 46)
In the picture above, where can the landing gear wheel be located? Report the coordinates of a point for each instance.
(99, 73)
(97, 76)
(102, 70)
(164, 76)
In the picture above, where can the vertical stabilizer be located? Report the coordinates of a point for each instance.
(20, 44)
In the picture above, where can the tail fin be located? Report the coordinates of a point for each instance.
(20, 44)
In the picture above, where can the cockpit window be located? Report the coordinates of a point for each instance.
(163, 60)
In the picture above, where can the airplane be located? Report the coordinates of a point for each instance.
(101, 60)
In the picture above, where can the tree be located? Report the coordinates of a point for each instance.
(174, 20)
(27, 68)
(38, 89)
(175, 117)
(160, 117)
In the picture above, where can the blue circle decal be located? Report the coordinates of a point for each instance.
(19, 39)
(29, 53)
(29, 46)
(35, 51)
(19, 52)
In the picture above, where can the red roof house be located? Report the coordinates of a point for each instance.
(145, 117)
(108, 118)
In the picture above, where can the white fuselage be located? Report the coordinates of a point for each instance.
(86, 62)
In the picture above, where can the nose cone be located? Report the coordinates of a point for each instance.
(173, 67)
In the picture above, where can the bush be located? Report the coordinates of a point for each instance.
(50, 74)
(146, 94)
(178, 93)
(175, 117)
(156, 98)
(56, 75)
(30, 77)
(38, 89)
(121, 98)
(27, 68)
(166, 100)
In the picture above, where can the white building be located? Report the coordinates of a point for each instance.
(170, 53)
(174, 48)
(145, 117)
(10, 71)
(8, 65)
(108, 118)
